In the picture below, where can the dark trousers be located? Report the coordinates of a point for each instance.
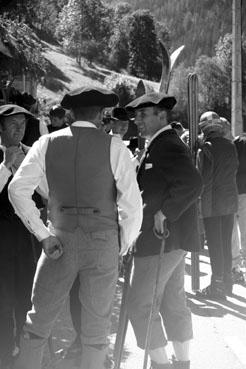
(219, 235)
(17, 269)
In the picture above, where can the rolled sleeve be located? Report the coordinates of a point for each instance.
(26, 180)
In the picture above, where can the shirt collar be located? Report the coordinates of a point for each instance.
(158, 133)
(83, 124)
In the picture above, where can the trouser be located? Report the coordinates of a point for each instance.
(94, 257)
(239, 232)
(171, 302)
(219, 235)
(17, 269)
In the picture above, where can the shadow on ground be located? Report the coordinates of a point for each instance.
(55, 79)
(206, 307)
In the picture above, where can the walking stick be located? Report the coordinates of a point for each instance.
(123, 318)
(193, 134)
(155, 294)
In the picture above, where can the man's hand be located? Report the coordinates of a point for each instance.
(159, 218)
(52, 247)
(10, 155)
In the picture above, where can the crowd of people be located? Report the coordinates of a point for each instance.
(74, 199)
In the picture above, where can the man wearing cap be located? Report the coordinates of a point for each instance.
(57, 118)
(16, 254)
(218, 165)
(120, 121)
(170, 186)
(94, 212)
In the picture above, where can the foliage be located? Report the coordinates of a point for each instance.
(91, 50)
(215, 77)
(77, 22)
(24, 46)
(163, 33)
(197, 24)
(123, 87)
(68, 30)
(119, 55)
(143, 46)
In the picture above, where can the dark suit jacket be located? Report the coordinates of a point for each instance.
(170, 183)
(218, 165)
(6, 208)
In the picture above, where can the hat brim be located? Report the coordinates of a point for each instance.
(9, 110)
(167, 102)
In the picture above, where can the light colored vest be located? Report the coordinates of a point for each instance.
(82, 191)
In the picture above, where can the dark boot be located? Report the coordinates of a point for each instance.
(215, 291)
(180, 364)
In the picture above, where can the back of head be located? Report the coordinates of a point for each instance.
(57, 111)
(210, 123)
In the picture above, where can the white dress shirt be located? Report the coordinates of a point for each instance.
(32, 171)
(5, 173)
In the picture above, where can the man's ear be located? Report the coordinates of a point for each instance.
(101, 114)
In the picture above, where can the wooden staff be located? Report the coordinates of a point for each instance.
(193, 142)
(123, 318)
(154, 304)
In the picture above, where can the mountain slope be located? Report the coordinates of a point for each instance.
(196, 24)
(65, 74)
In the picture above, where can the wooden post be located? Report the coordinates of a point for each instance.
(193, 133)
(236, 101)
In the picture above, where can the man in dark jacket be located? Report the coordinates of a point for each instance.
(218, 165)
(239, 238)
(171, 186)
(57, 118)
(16, 249)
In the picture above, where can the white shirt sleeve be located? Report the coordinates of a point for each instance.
(28, 177)
(5, 173)
(129, 200)
(43, 129)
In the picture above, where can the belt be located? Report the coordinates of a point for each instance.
(77, 210)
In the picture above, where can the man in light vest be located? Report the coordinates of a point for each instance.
(94, 214)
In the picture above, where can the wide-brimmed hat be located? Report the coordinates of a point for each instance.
(120, 114)
(89, 96)
(152, 99)
(8, 110)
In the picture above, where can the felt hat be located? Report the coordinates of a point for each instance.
(120, 114)
(89, 96)
(12, 109)
(152, 99)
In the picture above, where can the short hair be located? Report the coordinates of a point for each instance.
(86, 112)
(57, 111)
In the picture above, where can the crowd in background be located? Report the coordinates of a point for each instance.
(221, 161)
